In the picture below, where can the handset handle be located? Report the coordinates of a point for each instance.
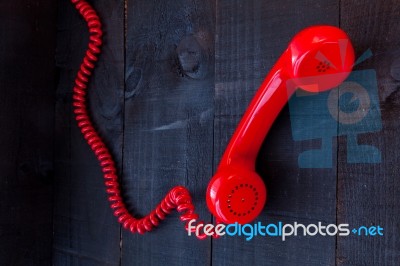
(265, 106)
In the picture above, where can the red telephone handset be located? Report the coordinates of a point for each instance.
(317, 59)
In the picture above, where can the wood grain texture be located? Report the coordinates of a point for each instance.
(85, 230)
(27, 77)
(369, 194)
(168, 136)
(167, 97)
(251, 37)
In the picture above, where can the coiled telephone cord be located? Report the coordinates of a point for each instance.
(177, 198)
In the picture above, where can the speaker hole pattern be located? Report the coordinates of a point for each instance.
(323, 66)
(233, 191)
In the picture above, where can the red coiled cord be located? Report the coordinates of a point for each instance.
(177, 198)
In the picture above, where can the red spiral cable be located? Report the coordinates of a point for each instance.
(177, 198)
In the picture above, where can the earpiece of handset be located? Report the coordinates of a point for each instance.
(318, 58)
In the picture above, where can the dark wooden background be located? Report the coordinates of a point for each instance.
(170, 87)
(27, 86)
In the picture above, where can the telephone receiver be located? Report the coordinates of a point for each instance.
(317, 59)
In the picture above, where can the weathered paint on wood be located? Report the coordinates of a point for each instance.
(169, 90)
(168, 135)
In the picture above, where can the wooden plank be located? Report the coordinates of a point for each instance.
(168, 138)
(27, 76)
(251, 36)
(369, 194)
(85, 230)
